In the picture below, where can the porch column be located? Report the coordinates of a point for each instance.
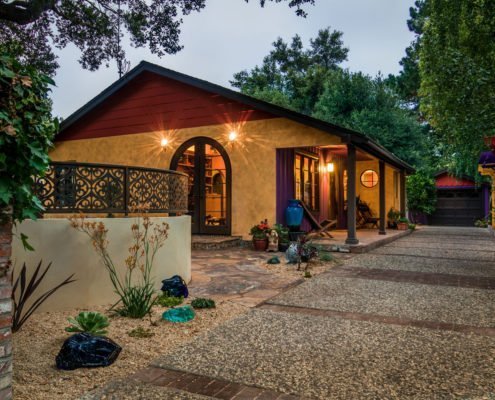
(381, 180)
(351, 195)
(402, 193)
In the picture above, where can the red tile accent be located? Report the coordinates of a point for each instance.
(427, 278)
(445, 326)
(207, 386)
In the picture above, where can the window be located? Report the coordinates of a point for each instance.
(307, 180)
(369, 178)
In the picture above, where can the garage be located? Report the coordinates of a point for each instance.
(460, 202)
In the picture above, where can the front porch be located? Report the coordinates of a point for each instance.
(336, 183)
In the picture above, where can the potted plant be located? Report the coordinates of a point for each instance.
(283, 237)
(392, 217)
(259, 233)
(402, 224)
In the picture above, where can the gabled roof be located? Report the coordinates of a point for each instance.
(347, 135)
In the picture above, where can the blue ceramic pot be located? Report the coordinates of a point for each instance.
(294, 214)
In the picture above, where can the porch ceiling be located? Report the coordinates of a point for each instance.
(341, 151)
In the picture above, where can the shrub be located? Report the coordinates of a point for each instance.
(140, 332)
(169, 301)
(325, 256)
(135, 299)
(203, 303)
(90, 322)
(21, 293)
(481, 223)
(421, 193)
(412, 227)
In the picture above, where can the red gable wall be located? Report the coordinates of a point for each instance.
(153, 103)
(446, 181)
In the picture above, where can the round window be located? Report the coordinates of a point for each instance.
(369, 178)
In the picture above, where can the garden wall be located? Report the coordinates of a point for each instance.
(71, 251)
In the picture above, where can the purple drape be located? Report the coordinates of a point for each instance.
(285, 181)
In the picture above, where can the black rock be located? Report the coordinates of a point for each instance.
(84, 350)
(175, 287)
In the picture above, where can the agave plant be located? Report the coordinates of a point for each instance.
(90, 322)
(22, 292)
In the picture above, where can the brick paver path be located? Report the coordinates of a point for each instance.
(414, 319)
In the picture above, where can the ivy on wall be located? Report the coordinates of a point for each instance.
(26, 133)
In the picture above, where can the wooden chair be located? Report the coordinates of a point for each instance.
(318, 228)
(365, 217)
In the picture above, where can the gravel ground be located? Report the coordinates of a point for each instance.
(423, 264)
(330, 358)
(440, 251)
(131, 390)
(417, 301)
(37, 344)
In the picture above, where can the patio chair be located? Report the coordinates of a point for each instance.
(317, 228)
(365, 216)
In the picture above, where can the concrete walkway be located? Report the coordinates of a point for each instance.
(414, 319)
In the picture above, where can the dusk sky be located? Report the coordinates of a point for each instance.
(230, 35)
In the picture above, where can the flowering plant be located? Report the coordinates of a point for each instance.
(260, 230)
(136, 296)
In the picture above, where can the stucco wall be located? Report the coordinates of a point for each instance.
(372, 195)
(71, 251)
(252, 158)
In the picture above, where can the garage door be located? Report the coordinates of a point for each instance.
(458, 207)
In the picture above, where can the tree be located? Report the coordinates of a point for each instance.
(407, 82)
(311, 81)
(29, 27)
(457, 71)
(369, 105)
(292, 76)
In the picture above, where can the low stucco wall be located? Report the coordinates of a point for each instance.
(71, 251)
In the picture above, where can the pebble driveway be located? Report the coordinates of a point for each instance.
(414, 319)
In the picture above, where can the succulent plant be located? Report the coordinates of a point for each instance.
(169, 301)
(90, 322)
(203, 303)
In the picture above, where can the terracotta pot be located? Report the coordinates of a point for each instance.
(402, 226)
(260, 244)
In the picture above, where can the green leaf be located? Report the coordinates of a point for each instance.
(5, 192)
(25, 244)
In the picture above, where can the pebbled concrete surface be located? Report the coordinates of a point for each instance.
(417, 301)
(331, 358)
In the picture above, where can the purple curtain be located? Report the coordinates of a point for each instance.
(285, 181)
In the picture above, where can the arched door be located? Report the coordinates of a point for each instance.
(209, 201)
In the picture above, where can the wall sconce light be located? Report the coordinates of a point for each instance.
(232, 136)
(330, 167)
(164, 142)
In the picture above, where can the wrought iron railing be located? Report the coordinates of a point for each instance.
(69, 187)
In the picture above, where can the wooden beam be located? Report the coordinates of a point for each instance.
(351, 195)
(402, 193)
(382, 179)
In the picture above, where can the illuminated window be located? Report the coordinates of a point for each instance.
(369, 178)
(307, 180)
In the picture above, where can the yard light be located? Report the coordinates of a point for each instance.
(330, 167)
(232, 136)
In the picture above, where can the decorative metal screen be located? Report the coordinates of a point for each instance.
(99, 188)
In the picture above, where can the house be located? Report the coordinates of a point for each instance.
(460, 200)
(245, 158)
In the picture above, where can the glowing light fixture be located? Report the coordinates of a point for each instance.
(330, 167)
(232, 136)
(164, 142)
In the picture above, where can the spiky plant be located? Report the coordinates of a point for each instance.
(90, 322)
